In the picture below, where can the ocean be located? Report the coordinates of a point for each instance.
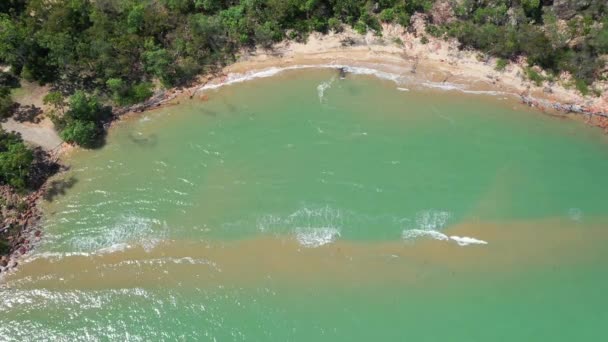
(310, 207)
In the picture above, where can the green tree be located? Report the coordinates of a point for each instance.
(82, 122)
(159, 62)
(135, 19)
(84, 107)
(81, 132)
(15, 160)
(6, 102)
(56, 100)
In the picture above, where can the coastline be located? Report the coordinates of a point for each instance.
(398, 55)
(402, 57)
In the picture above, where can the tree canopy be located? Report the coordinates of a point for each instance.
(15, 160)
(121, 46)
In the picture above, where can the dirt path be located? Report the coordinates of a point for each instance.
(42, 134)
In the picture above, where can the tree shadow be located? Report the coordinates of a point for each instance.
(58, 187)
(209, 112)
(28, 113)
(143, 141)
(43, 166)
(7, 79)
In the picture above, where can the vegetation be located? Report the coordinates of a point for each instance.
(7, 81)
(557, 39)
(6, 103)
(15, 160)
(82, 122)
(501, 64)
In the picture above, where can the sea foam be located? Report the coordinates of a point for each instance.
(398, 79)
(321, 88)
(316, 237)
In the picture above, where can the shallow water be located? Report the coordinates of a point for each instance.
(306, 207)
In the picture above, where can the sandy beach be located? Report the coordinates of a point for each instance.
(436, 64)
(398, 53)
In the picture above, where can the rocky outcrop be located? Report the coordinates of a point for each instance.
(18, 225)
(566, 9)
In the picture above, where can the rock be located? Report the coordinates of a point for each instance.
(3, 263)
(548, 90)
(566, 9)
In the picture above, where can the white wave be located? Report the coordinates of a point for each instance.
(465, 240)
(186, 181)
(397, 78)
(444, 85)
(432, 219)
(413, 234)
(484, 92)
(269, 72)
(321, 88)
(370, 71)
(575, 214)
(127, 230)
(316, 237)
(168, 260)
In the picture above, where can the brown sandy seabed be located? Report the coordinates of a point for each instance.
(513, 247)
(516, 245)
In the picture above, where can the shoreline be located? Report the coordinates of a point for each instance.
(398, 55)
(22, 227)
(438, 64)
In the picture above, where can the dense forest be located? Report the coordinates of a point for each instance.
(118, 51)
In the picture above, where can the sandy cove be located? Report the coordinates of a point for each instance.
(438, 63)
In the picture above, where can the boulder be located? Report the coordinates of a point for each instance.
(566, 9)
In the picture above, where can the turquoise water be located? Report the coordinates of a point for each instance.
(306, 207)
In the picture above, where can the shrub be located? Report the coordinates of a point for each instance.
(81, 132)
(15, 160)
(387, 15)
(141, 92)
(82, 122)
(534, 76)
(334, 25)
(403, 19)
(501, 64)
(123, 94)
(360, 27)
(6, 102)
(582, 87)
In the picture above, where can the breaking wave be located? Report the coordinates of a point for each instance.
(412, 234)
(316, 237)
(432, 219)
(415, 234)
(128, 229)
(394, 77)
(427, 226)
(269, 72)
